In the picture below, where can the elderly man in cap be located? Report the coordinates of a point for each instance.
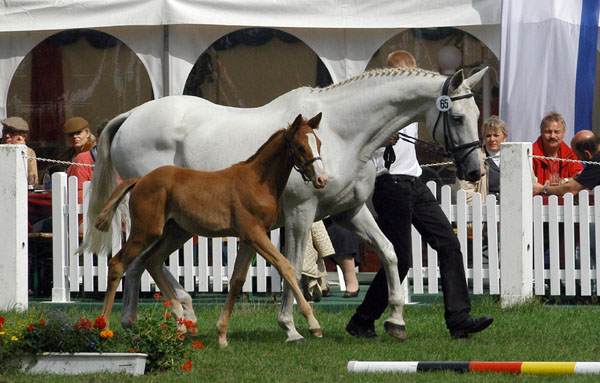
(81, 140)
(15, 130)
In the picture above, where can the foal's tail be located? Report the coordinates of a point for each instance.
(104, 180)
(108, 211)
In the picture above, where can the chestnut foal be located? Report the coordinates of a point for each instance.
(170, 204)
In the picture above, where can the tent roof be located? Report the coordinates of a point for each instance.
(32, 15)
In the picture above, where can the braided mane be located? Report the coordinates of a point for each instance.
(377, 73)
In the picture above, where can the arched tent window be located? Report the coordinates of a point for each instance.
(251, 67)
(462, 51)
(81, 72)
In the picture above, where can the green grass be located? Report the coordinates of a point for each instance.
(257, 352)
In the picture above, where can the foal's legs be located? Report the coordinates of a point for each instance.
(117, 266)
(363, 225)
(172, 238)
(265, 247)
(238, 277)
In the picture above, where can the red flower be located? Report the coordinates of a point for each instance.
(197, 344)
(163, 326)
(157, 296)
(100, 322)
(132, 350)
(1, 321)
(180, 321)
(187, 366)
(42, 322)
(83, 323)
(167, 303)
(31, 327)
(190, 324)
(168, 315)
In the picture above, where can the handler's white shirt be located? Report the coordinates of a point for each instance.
(406, 156)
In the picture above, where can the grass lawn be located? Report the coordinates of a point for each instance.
(257, 352)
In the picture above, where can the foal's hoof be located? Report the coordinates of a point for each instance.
(317, 333)
(396, 330)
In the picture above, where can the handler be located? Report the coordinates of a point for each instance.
(401, 199)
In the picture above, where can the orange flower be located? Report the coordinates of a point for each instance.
(197, 344)
(157, 296)
(132, 350)
(163, 326)
(42, 322)
(167, 303)
(168, 315)
(106, 334)
(190, 324)
(100, 322)
(187, 366)
(31, 327)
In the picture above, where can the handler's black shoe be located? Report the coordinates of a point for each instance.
(471, 325)
(358, 331)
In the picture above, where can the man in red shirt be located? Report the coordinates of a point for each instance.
(550, 144)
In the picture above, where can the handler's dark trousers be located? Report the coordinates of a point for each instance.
(399, 201)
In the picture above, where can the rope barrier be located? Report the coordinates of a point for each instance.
(565, 160)
(57, 161)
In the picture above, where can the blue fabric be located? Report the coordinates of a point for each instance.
(586, 65)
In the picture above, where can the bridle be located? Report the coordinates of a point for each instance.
(444, 103)
(297, 162)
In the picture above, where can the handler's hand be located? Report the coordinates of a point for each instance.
(393, 140)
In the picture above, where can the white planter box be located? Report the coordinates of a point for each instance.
(85, 362)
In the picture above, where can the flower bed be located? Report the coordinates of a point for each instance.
(24, 335)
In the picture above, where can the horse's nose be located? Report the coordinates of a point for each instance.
(321, 181)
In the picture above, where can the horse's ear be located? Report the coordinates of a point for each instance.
(314, 122)
(457, 80)
(297, 122)
(474, 79)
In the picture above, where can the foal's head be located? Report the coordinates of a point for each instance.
(304, 147)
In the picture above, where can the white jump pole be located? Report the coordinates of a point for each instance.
(13, 228)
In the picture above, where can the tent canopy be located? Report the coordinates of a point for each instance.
(35, 15)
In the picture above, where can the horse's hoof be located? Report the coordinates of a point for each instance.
(396, 330)
(317, 333)
(296, 341)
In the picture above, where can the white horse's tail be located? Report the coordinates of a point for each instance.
(104, 180)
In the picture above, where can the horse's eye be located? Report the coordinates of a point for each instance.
(457, 119)
(301, 150)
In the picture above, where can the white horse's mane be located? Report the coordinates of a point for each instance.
(379, 72)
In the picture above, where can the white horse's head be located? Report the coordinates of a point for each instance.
(453, 123)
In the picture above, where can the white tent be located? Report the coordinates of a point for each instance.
(169, 35)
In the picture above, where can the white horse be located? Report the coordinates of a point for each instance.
(359, 115)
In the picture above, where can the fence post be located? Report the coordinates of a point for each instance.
(516, 225)
(13, 228)
(60, 255)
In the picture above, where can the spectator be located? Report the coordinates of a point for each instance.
(81, 140)
(347, 248)
(494, 132)
(550, 144)
(402, 200)
(314, 282)
(586, 145)
(15, 130)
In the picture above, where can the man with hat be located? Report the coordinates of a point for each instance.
(15, 131)
(81, 140)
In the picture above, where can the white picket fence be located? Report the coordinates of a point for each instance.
(74, 273)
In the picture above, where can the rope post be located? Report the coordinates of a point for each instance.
(60, 254)
(13, 228)
(516, 229)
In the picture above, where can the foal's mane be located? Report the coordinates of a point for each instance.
(380, 73)
(278, 133)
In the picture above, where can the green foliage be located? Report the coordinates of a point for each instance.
(58, 330)
(155, 333)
